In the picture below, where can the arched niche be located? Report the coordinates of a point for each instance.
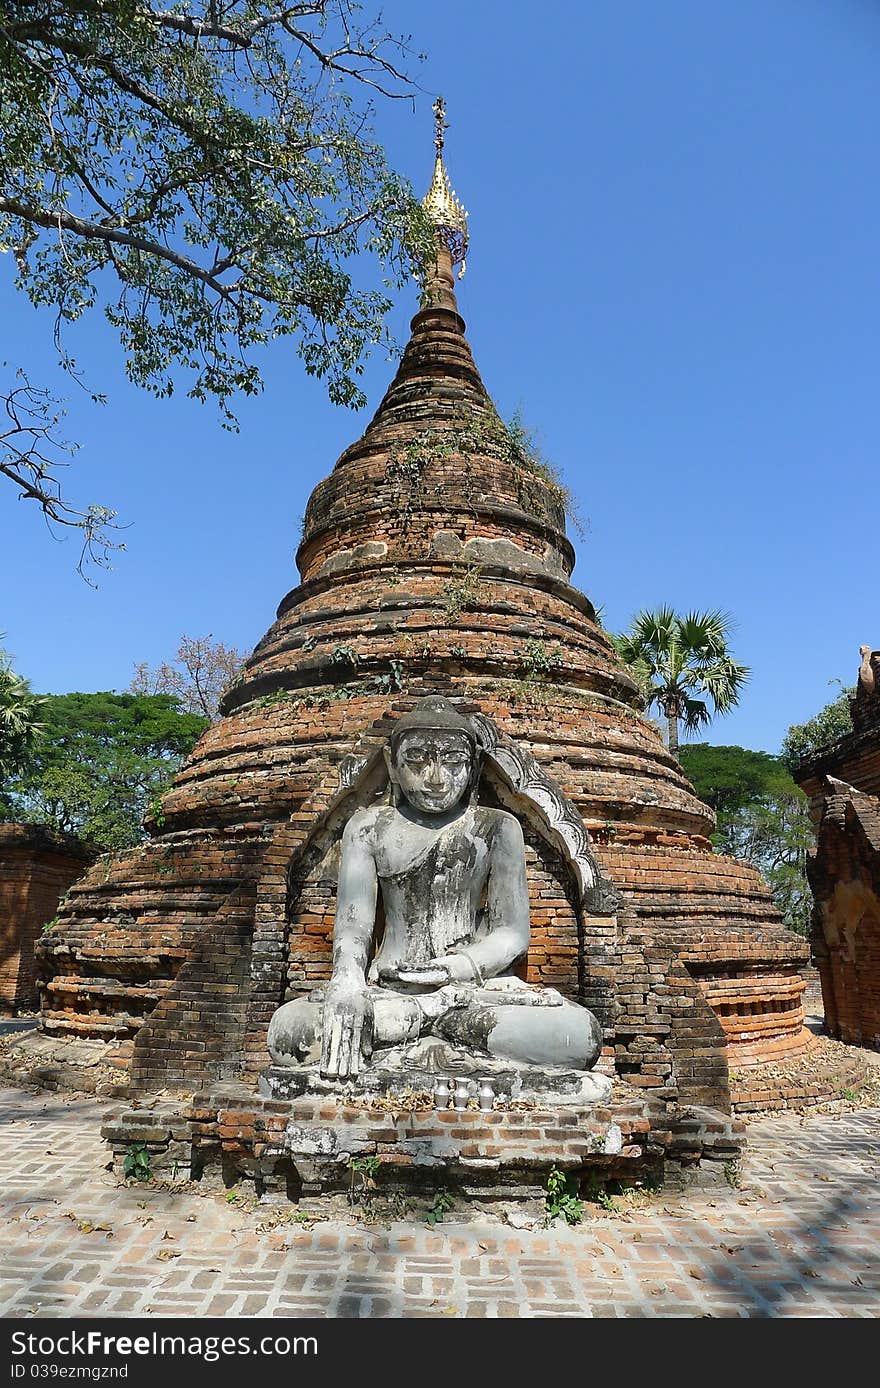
(573, 910)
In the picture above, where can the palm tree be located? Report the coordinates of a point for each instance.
(679, 659)
(19, 725)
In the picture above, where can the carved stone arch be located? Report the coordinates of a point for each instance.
(522, 786)
(536, 793)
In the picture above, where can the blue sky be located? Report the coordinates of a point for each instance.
(674, 272)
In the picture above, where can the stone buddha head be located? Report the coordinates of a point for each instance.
(432, 757)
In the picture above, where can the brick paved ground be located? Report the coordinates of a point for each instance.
(802, 1238)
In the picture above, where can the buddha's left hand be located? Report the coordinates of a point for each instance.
(448, 968)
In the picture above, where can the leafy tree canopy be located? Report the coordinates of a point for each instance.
(806, 739)
(727, 778)
(775, 834)
(205, 171)
(100, 762)
(762, 816)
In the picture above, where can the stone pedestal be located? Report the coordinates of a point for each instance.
(306, 1147)
(556, 1087)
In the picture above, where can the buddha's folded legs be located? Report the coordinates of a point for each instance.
(295, 1029)
(566, 1035)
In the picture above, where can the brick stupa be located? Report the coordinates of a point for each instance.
(434, 559)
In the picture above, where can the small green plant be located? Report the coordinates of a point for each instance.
(848, 1093)
(460, 593)
(440, 1205)
(606, 1194)
(50, 925)
(520, 444)
(343, 655)
(562, 1198)
(536, 662)
(137, 1162)
(732, 1175)
(407, 464)
(399, 1205)
(366, 1168)
(392, 681)
(156, 812)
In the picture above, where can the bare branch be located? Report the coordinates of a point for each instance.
(31, 451)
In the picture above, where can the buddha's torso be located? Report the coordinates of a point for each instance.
(432, 882)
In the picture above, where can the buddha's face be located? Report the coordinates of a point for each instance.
(432, 770)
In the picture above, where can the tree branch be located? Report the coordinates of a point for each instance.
(33, 420)
(97, 231)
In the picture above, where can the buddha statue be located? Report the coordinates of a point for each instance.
(455, 920)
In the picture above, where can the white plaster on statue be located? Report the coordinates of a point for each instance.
(452, 878)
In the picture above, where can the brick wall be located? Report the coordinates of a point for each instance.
(843, 783)
(36, 869)
(845, 878)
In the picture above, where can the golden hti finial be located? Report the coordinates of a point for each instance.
(440, 203)
(441, 124)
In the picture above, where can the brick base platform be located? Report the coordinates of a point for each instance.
(798, 1235)
(306, 1147)
(827, 1072)
(748, 1055)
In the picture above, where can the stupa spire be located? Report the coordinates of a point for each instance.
(441, 203)
(437, 365)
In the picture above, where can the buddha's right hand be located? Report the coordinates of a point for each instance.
(347, 1029)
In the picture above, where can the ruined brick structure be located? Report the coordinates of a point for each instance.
(37, 867)
(434, 559)
(843, 782)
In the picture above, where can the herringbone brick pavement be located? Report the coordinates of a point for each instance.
(801, 1238)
